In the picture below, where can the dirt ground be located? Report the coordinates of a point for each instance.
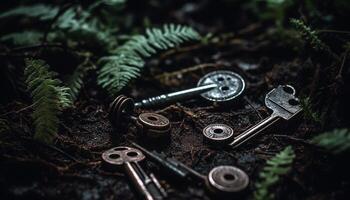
(71, 168)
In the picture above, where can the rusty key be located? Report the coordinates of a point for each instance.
(128, 159)
(284, 106)
(150, 124)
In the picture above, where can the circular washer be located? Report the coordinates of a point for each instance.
(122, 154)
(230, 85)
(218, 133)
(227, 179)
(153, 121)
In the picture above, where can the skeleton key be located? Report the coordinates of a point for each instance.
(127, 158)
(284, 105)
(217, 86)
(221, 180)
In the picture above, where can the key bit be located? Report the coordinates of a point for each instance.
(217, 86)
(151, 125)
(128, 159)
(284, 106)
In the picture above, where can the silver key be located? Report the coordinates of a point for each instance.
(284, 106)
(128, 159)
(217, 86)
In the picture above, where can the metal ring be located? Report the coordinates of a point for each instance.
(230, 85)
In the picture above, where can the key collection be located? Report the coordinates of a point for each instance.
(218, 86)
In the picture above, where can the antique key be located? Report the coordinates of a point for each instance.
(221, 180)
(284, 106)
(128, 159)
(149, 124)
(217, 86)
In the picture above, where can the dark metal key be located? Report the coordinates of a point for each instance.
(221, 180)
(128, 159)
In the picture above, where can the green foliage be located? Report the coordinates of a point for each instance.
(75, 23)
(309, 113)
(277, 166)
(117, 70)
(336, 141)
(311, 36)
(76, 81)
(49, 98)
(23, 38)
(4, 126)
(40, 11)
(79, 25)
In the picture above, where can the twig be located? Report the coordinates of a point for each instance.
(186, 70)
(293, 138)
(332, 31)
(18, 111)
(35, 46)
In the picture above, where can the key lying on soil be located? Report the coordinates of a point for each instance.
(284, 106)
(221, 180)
(127, 158)
(148, 124)
(216, 86)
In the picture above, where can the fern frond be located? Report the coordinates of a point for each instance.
(309, 113)
(4, 126)
(311, 36)
(277, 166)
(76, 81)
(126, 64)
(79, 23)
(49, 98)
(40, 11)
(336, 141)
(23, 38)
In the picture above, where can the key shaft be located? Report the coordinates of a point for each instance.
(146, 185)
(253, 131)
(174, 96)
(173, 166)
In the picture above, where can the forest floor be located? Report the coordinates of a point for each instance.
(71, 168)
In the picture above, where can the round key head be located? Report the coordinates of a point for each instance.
(154, 121)
(117, 156)
(153, 125)
(230, 85)
(282, 102)
(218, 133)
(227, 179)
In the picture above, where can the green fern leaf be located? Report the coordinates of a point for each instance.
(40, 11)
(126, 64)
(311, 36)
(23, 38)
(76, 81)
(277, 166)
(49, 98)
(336, 141)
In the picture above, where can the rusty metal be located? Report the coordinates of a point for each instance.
(227, 180)
(128, 159)
(148, 124)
